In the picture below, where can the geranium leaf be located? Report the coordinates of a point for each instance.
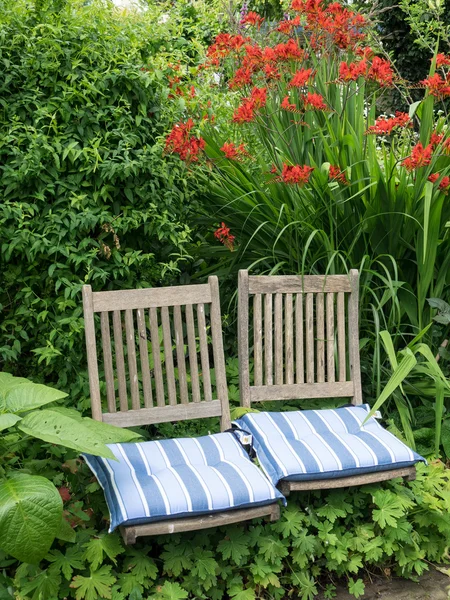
(98, 584)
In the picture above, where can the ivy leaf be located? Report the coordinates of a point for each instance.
(67, 562)
(389, 508)
(97, 585)
(142, 567)
(170, 591)
(108, 544)
(234, 546)
(356, 588)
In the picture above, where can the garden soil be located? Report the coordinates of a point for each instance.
(432, 586)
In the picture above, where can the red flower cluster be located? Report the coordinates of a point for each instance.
(234, 152)
(246, 111)
(288, 25)
(380, 71)
(243, 76)
(224, 236)
(420, 157)
(385, 126)
(296, 174)
(252, 18)
(437, 86)
(181, 142)
(301, 78)
(335, 174)
(352, 71)
(286, 105)
(289, 51)
(442, 60)
(224, 44)
(445, 181)
(314, 102)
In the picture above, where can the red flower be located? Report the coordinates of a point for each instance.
(181, 142)
(337, 175)
(288, 26)
(300, 78)
(381, 72)
(243, 76)
(271, 72)
(437, 86)
(384, 126)
(420, 157)
(288, 51)
(224, 236)
(232, 151)
(314, 101)
(352, 71)
(442, 60)
(245, 112)
(223, 45)
(259, 97)
(436, 139)
(296, 174)
(252, 18)
(286, 105)
(445, 181)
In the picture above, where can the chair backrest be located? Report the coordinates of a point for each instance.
(145, 337)
(305, 337)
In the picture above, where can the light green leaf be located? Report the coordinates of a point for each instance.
(108, 544)
(66, 563)
(30, 516)
(8, 420)
(45, 585)
(65, 532)
(97, 585)
(23, 397)
(356, 588)
(389, 510)
(170, 591)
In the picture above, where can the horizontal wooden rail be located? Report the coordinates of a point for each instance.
(339, 389)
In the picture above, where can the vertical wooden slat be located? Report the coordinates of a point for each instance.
(353, 341)
(143, 354)
(219, 357)
(289, 339)
(120, 362)
(91, 350)
(193, 361)
(278, 339)
(181, 364)
(341, 334)
(204, 357)
(257, 339)
(309, 321)
(156, 353)
(268, 339)
(330, 339)
(132, 364)
(108, 363)
(299, 344)
(243, 350)
(168, 358)
(320, 342)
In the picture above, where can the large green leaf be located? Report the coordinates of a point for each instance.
(57, 428)
(8, 420)
(30, 516)
(23, 397)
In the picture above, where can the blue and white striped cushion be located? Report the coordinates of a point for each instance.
(152, 481)
(319, 444)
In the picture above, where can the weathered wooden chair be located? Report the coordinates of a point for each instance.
(168, 486)
(305, 346)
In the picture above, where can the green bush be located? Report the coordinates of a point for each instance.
(87, 195)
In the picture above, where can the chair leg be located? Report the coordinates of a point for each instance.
(275, 513)
(285, 488)
(411, 475)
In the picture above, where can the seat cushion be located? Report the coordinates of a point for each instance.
(320, 444)
(152, 481)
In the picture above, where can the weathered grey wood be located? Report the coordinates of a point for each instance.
(243, 325)
(132, 364)
(341, 335)
(143, 354)
(299, 344)
(291, 284)
(320, 341)
(107, 361)
(193, 361)
(130, 533)
(181, 363)
(289, 339)
(268, 339)
(151, 297)
(309, 320)
(301, 390)
(204, 356)
(168, 357)
(330, 339)
(219, 357)
(156, 353)
(257, 336)
(164, 414)
(278, 339)
(91, 350)
(120, 361)
(353, 336)
(408, 473)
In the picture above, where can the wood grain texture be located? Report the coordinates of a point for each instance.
(257, 341)
(279, 354)
(151, 297)
(243, 326)
(320, 339)
(131, 533)
(289, 339)
(143, 355)
(299, 343)
(341, 336)
(408, 473)
(120, 361)
(309, 350)
(156, 354)
(181, 362)
(91, 350)
(204, 355)
(164, 414)
(132, 363)
(108, 362)
(268, 339)
(168, 356)
(353, 336)
(331, 373)
(291, 284)
(301, 390)
(193, 360)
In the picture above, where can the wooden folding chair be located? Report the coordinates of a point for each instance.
(145, 386)
(305, 345)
